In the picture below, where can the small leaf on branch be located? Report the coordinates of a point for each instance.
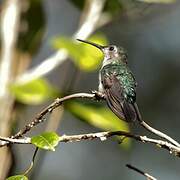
(17, 177)
(47, 140)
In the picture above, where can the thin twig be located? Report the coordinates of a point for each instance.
(24, 140)
(153, 130)
(149, 177)
(104, 136)
(39, 118)
(160, 134)
(32, 162)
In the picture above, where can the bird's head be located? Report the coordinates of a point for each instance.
(110, 52)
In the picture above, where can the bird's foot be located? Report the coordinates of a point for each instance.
(98, 95)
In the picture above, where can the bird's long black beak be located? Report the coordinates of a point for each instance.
(93, 44)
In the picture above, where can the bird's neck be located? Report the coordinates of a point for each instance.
(112, 61)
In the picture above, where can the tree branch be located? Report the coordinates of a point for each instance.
(24, 140)
(170, 146)
(103, 136)
(153, 130)
(40, 117)
(159, 133)
(149, 177)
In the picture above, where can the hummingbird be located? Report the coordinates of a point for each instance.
(117, 82)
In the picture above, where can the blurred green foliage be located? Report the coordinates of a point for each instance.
(34, 92)
(85, 57)
(113, 7)
(78, 4)
(100, 117)
(46, 140)
(17, 177)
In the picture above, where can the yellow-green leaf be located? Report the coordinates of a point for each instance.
(47, 141)
(100, 117)
(86, 57)
(17, 177)
(34, 92)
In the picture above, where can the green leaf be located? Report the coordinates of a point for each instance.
(47, 140)
(17, 177)
(85, 57)
(100, 117)
(34, 92)
(158, 1)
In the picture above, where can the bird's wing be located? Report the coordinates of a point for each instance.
(116, 101)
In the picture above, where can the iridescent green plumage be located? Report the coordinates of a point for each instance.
(119, 85)
(125, 77)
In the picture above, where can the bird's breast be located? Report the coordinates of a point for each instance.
(125, 78)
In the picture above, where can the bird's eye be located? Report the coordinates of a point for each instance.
(111, 48)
